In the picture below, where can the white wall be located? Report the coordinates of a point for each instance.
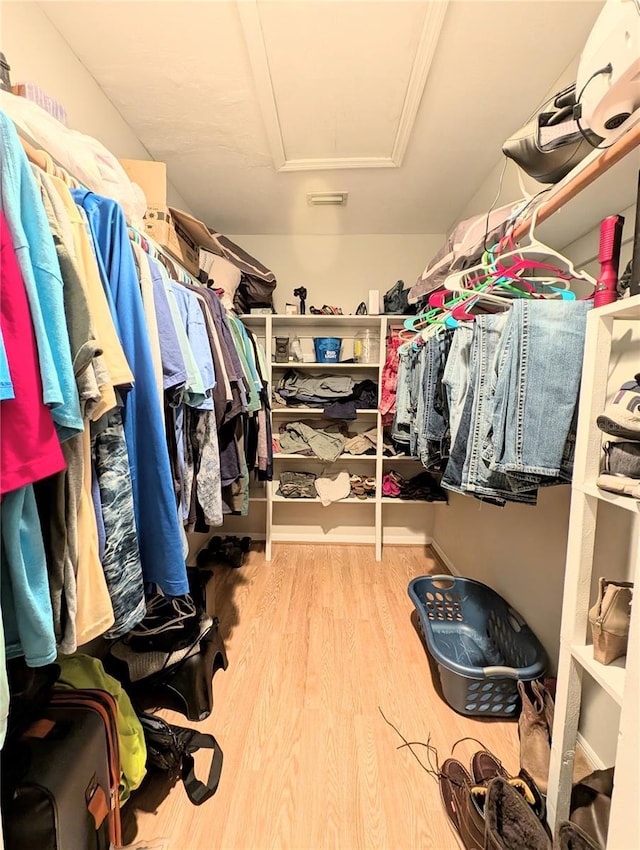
(340, 270)
(38, 54)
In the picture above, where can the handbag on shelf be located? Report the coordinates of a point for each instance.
(550, 144)
(396, 300)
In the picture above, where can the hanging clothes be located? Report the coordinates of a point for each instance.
(156, 519)
(33, 243)
(29, 447)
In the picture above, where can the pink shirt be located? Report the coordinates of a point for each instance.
(29, 446)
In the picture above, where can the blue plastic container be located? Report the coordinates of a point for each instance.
(481, 645)
(327, 349)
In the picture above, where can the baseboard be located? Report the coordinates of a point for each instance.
(328, 540)
(405, 540)
(444, 558)
(590, 754)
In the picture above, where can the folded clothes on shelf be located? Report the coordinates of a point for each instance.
(338, 395)
(297, 485)
(361, 444)
(333, 488)
(300, 438)
(363, 397)
(310, 389)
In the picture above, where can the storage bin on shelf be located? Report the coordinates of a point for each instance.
(482, 646)
(327, 349)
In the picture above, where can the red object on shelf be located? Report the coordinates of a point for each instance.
(609, 258)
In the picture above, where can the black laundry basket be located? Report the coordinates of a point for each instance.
(481, 644)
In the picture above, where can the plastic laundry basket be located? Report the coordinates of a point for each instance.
(327, 349)
(481, 644)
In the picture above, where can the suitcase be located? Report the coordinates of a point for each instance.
(68, 796)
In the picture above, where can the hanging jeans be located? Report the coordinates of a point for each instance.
(477, 475)
(539, 368)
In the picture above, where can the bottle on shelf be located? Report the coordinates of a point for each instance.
(366, 347)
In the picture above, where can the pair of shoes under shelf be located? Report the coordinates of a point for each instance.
(227, 550)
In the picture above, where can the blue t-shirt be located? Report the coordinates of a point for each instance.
(193, 320)
(174, 371)
(26, 604)
(21, 203)
(153, 496)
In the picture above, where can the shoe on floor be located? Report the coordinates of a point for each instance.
(510, 822)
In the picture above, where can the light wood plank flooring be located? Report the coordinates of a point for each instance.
(318, 641)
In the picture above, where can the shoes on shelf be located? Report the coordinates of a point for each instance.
(621, 418)
(609, 618)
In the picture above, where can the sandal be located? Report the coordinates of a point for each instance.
(390, 487)
(357, 488)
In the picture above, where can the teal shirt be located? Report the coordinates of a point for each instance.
(33, 243)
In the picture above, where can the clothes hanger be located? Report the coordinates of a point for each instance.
(534, 248)
(524, 260)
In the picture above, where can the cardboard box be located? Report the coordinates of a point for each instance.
(151, 176)
(160, 225)
(181, 235)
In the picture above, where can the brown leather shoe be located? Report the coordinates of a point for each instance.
(510, 822)
(460, 805)
(485, 767)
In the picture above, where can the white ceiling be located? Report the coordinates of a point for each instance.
(404, 104)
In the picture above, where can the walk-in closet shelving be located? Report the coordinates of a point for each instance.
(578, 670)
(373, 520)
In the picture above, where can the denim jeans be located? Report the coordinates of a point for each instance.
(401, 428)
(432, 422)
(456, 376)
(539, 368)
(477, 475)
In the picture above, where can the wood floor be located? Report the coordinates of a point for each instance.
(319, 641)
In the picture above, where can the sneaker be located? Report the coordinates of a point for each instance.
(168, 623)
(621, 418)
(623, 485)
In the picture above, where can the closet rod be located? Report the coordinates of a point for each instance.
(590, 173)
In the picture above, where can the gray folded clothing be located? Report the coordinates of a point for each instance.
(298, 437)
(301, 387)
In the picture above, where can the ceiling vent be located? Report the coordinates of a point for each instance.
(327, 199)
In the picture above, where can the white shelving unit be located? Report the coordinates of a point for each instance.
(620, 680)
(361, 520)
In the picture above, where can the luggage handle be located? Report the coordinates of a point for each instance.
(197, 791)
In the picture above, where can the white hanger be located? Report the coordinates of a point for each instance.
(534, 248)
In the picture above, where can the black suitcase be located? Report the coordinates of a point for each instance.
(66, 796)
